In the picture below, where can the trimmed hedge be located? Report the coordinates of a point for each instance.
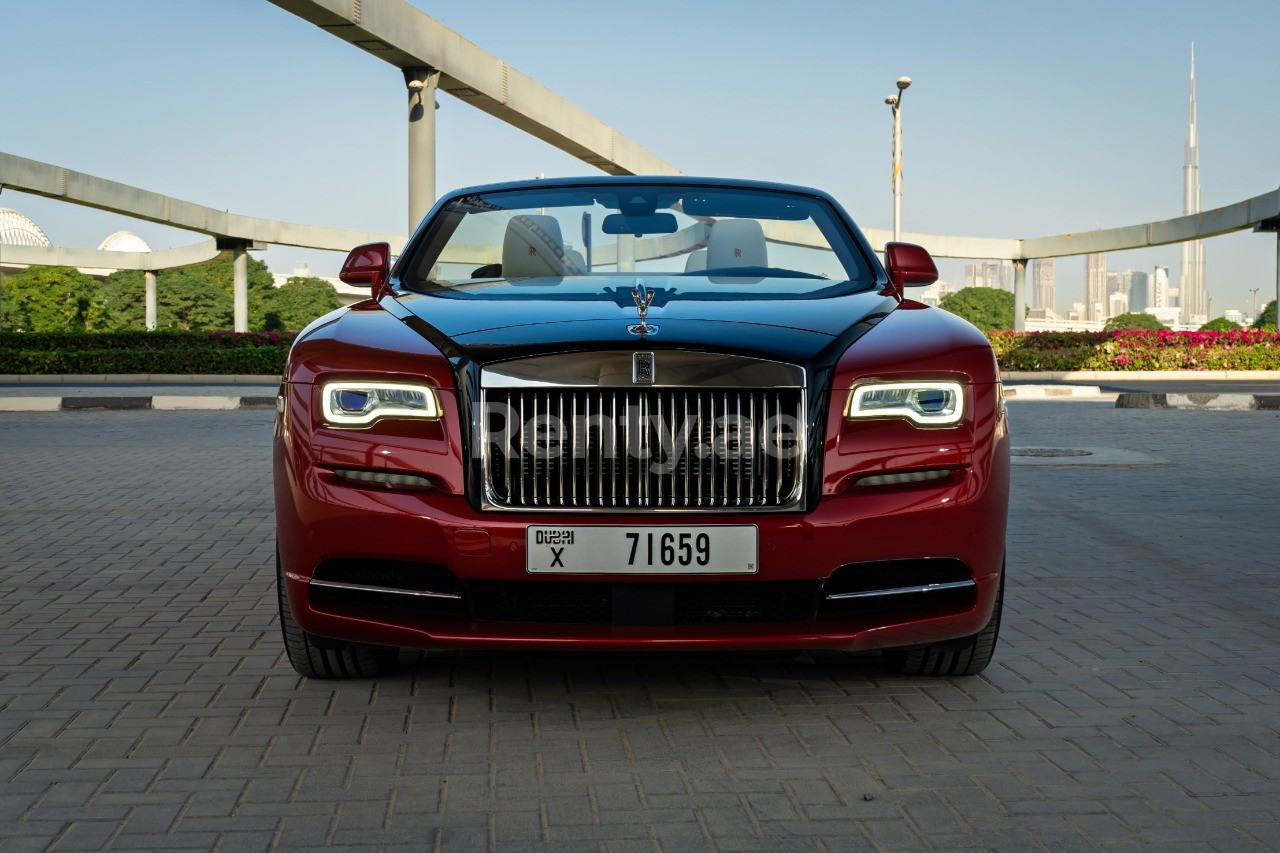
(1240, 349)
(144, 352)
(265, 352)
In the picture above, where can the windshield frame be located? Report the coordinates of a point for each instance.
(845, 240)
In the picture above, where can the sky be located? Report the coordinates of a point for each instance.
(1025, 118)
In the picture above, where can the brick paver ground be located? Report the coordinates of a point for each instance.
(145, 700)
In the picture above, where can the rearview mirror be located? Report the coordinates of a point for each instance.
(909, 265)
(654, 223)
(366, 266)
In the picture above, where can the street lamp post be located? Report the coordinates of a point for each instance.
(895, 104)
(1254, 291)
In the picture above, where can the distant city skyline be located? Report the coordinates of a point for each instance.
(1088, 142)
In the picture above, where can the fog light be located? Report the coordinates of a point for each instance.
(904, 477)
(386, 478)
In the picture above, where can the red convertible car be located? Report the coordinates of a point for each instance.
(640, 413)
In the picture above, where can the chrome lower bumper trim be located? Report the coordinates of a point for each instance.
(390, 590)
(902, 590)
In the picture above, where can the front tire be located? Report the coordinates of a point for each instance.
(317, 657)
(967, 656)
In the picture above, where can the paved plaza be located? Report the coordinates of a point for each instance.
(145, 701)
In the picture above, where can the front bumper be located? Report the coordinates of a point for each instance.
(320, 518)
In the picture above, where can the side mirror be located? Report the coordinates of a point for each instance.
(367, 266)
(908, 265)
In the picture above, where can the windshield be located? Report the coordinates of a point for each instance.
(707, 242)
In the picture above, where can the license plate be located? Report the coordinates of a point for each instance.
(676, 550)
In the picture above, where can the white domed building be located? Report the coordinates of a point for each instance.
(124, 241)
(120, 241)
(17, 229)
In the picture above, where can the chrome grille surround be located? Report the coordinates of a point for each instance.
(602, 461)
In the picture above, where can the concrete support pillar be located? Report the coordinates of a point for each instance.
(1019, 296)
(422, 83)
(150, 300)
(626, 253)
(240, 286)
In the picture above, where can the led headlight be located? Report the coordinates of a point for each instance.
(360, 403)
(923, 403)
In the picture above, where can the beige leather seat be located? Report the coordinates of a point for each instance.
(696, 262)
(532, 247)
(736, 243)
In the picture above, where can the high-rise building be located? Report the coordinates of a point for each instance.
(1042, 285)
(1114, 284)
(1193, 297)
(1139, 290)
(1161, 297)
(1095, 286)
(1117, 304)
(1006, 276)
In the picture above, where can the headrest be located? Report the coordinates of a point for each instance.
(696, 262)
(736, 243)
(532, 247)
(575, 263)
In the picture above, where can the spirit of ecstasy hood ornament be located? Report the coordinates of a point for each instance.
(643, 297)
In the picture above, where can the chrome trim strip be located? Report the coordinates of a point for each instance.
(902, 590)
(387, 589)
(671, 369)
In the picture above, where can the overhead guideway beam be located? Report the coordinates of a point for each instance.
(159, 259)
(406, 37)
(1195, 226)
(43, 179)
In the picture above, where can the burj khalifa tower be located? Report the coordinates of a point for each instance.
(1193, 297)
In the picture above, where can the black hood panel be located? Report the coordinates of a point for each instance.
(483, 331)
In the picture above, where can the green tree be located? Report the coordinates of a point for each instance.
(985, 307)
(123, 298)
(262, 290)
(302, 299)
(1267, 318)
(186, 299)
(1220, 324)
(200, 296)
(1132, 320)
(51, 299)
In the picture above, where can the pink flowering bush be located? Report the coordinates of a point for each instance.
(1238, 349)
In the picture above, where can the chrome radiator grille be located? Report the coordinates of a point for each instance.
(593, 448)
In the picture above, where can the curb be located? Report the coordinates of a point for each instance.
(159, 402)
(1200, 402)
(1048, 392)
